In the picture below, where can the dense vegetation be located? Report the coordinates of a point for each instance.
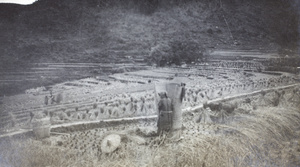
(112, 30)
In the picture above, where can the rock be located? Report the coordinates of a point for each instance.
(110, 143)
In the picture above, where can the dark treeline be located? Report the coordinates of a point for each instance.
(164, 32)
(276, 21)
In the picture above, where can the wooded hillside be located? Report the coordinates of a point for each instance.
(113, 30)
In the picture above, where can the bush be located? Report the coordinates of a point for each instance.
(159, 55)
(186, 51)
(214, 106)
(176, 52)
(228, 107)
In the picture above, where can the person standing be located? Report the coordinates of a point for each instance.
(46, 100)
(182, 94)
(52, 98)
(165, 113)
(31, 115)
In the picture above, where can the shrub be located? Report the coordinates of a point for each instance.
(228, 107)
(176, 52)
(159, 55)
(186, 51)
(214, 106)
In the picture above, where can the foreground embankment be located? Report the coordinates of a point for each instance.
(256, 129)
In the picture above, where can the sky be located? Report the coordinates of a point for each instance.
(21, 2)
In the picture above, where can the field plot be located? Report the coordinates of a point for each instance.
(257, 132)
(232, 117)
(130, 94)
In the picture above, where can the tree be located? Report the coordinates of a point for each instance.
(175, 52)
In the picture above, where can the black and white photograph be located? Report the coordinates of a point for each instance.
(149, 83)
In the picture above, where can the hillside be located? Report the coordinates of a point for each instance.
(115, 31)
(100, 31)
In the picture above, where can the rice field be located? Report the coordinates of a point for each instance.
(265, 135)
(231, 117)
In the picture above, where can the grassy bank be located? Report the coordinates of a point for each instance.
(266, 137)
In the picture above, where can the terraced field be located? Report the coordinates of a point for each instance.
(130, 94)
(258, 130)
(219, 98)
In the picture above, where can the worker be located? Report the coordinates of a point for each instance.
(165, 113)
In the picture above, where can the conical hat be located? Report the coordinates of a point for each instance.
(110, 143)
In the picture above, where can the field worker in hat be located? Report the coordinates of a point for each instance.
(165, 113)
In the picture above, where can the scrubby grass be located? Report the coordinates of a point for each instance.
(31, 153)
(262, 138)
